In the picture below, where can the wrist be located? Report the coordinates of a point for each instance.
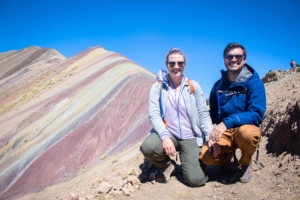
(223, 123)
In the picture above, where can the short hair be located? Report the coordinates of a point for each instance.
(234, 45)
(173, 51)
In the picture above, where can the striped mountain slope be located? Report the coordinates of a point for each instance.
(59, 115)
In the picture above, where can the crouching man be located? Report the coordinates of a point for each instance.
(237, 107)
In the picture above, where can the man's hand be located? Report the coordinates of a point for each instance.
(215, 146)
(217, 131)
(169, 147)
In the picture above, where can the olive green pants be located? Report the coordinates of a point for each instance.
(189, 156)
(245, 137)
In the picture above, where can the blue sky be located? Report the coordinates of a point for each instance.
(144, 31)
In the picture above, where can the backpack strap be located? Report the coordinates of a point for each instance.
(163, 117)
(191, 85)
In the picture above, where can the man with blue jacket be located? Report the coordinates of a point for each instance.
(237, 107)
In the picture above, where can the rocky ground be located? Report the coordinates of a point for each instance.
(276, 176)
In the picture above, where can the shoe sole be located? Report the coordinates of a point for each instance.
(247, 180)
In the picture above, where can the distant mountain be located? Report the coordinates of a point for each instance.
(59, 116)
(15, 61)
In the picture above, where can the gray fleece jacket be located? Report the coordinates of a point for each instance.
(195, 105)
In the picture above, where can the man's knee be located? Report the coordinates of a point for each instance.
(249, 134)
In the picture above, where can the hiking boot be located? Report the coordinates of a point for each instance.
(166, 174)
(246, 174)
(224, 170)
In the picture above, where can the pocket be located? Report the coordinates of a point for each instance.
(239, 102)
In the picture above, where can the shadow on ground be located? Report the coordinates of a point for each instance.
(151, 173)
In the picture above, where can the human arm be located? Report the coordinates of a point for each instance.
(155, 114)
(255, 107)
(202, 112)
(217, 131)
(157, 122)
(213, 103)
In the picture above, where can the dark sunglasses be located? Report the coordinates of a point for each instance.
(180, 64)
(237, 56)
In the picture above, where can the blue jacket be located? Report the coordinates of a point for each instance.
(240, 102)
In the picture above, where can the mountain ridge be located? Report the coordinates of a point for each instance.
(61, 111)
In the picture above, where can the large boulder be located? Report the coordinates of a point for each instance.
(282, 119)
(275, 75)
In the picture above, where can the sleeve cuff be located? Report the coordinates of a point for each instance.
(227, 123)
(165, 135)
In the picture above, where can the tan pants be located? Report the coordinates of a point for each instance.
(245, 137)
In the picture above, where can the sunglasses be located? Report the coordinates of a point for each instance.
(237, 56)
(180, 64)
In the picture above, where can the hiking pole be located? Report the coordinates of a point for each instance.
(257, 155)
(235, 160)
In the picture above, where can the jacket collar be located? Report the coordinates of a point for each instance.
(244, 75)
(163, 76)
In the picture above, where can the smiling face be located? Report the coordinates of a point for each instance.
(234, 60)
(175, 71)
